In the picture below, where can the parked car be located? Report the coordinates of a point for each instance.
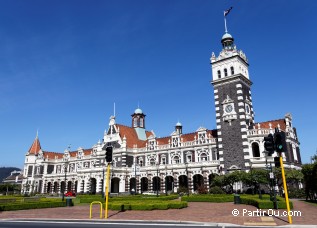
(70, 194)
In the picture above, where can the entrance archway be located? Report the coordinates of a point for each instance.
(198, 181)
(144, 184)
(115, 185)
(169, 184)
(183, 181)
(93, 185)
(55, 187)
(49, 186)
(132, 185)
(156, 184)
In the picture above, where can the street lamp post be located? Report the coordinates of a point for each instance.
(65, 185)
(103, 182)
(271, 181)
(166, 182)
(186, 164)
(157, 169)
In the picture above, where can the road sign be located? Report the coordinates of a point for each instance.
(271, 175)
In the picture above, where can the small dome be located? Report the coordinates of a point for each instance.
(227, 36)
(178, 124)
(138, 111)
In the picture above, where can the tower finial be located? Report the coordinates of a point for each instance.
(114, 109)
(37, 133)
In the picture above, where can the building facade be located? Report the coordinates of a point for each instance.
(143, 162)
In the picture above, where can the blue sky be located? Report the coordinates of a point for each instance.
(64, 63)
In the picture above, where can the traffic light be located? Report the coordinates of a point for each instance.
(277, 162)
(278, 139)
(109, 154)
(269, 144)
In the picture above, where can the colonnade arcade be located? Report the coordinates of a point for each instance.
(151, 182)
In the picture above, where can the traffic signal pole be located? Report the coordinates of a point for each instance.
(285, 191)
(107, 190)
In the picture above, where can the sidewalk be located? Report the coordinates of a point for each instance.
(196, 211)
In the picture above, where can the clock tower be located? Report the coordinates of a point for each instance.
(233, 102)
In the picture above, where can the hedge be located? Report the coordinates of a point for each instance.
(90, 198)
(217, 198)
(146, 206)
(263, 203)
(31, 205)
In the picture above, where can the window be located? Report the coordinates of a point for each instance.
(141, 122)
(163, 161)
(219, 74)
(232, 70)
(226, 72)
(203, 157)
(141, 163)
(135, 122)
(255, 150)
(188, 158)
(152, 161)
(176, 160)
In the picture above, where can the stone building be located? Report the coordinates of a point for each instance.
(144, 162)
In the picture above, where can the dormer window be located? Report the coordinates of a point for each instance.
(225, 72)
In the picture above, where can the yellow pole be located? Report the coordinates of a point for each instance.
(285, 191)
(107, 190)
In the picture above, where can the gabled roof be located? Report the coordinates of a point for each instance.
(36, 146)
(274, 124)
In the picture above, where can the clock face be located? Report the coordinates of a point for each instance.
(229, 108)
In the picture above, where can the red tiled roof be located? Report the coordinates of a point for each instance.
(274, 124)
(132, 137)
(36, 146)
(52, 155)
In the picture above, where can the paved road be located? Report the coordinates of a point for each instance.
(100, 224)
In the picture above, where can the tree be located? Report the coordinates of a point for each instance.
(255, 178)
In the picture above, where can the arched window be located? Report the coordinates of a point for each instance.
(232, 70)
(219, 74)
(255, 150)
(203, 157)
(226, 72)
(152, 162)
(176, 160)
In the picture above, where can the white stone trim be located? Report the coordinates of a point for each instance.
(241, 104)
(244, 136)
(216, 102)
(240, 98)
(216, 91)
(238, 86)
(245, 143)
(218, 126)
(239, 91)
(216, 96)
(242, 116)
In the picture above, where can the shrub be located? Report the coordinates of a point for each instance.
(216, 190)
(208, 198)
(30, 205)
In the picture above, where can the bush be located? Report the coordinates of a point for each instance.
(202, 189)
(296, 193)
(208, 198)
(264, 203)
(216, 190)
(31, 205)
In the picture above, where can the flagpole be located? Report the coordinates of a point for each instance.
(226, 31)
